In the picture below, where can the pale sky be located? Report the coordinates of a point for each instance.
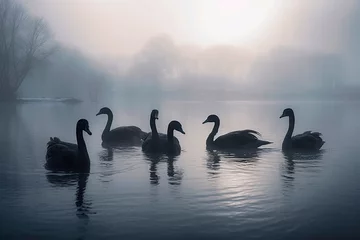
(116, 27)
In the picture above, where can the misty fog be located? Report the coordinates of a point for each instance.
(118, 48)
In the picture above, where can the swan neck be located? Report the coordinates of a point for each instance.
(154, 131)
(170, 134)
(109, 122)
(82, 150)
(291, 127)
(210, 138)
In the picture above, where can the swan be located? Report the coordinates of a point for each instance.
(163, 143)
(122, 135)
(245, 139)
(153, 117)
(154, 133)
(69, 156)
(306, 141)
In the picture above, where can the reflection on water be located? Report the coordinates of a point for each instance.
(174, 174)
(83, 206)
(67, 180)
(106, 158)
(62, 179)
(306, 161)
(245, 156)
(242, 156)
(264, 194)
(212, 162)
(303, 162)
(154, 160)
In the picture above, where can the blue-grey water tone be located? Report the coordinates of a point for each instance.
(258, 195)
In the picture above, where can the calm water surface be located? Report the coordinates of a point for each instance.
(259, 195)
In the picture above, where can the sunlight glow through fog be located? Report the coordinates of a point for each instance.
(232, 21)
(113, 27)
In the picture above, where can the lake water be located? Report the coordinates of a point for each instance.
(263, 195)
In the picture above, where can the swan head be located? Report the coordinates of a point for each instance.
(104, 110)
(154, 114)
(212, 118)
(287, 113)
(176, 126)
(83, 125)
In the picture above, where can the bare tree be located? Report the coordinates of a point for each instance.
(24, 42)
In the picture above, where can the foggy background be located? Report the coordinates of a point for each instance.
(249, 49)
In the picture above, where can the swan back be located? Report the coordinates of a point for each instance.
(240, 139)
(307, 140)
(125, 134)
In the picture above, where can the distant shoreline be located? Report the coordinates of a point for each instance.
(146, 94)
(62, 100)
(238, 95)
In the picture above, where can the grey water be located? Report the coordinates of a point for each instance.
(258, 195)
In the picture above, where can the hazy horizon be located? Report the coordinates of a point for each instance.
(115, 28)
(206, 44)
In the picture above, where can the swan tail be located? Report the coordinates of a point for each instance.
(321, 144)
(53, 140)
(145, 136)
(262, 143)
(249, 131)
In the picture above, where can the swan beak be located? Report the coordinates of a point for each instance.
(182, 131)
(282, 116)
(205, 121)
(88, 131)
(98, 114)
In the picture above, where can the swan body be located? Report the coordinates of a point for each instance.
(307, 140)
(162, 143)
(121, 135)
(66, 156)
(244, 139)
(56, 140)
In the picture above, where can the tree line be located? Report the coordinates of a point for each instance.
(25, 41)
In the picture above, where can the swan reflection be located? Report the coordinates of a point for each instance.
(301, 162)
(246, 156)
(62, 179)
(154, 160)
(174, 175)
(106, 157)
(83, 206)
(121, 147)
(308, 160)
(214, 158)
(212, 162)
